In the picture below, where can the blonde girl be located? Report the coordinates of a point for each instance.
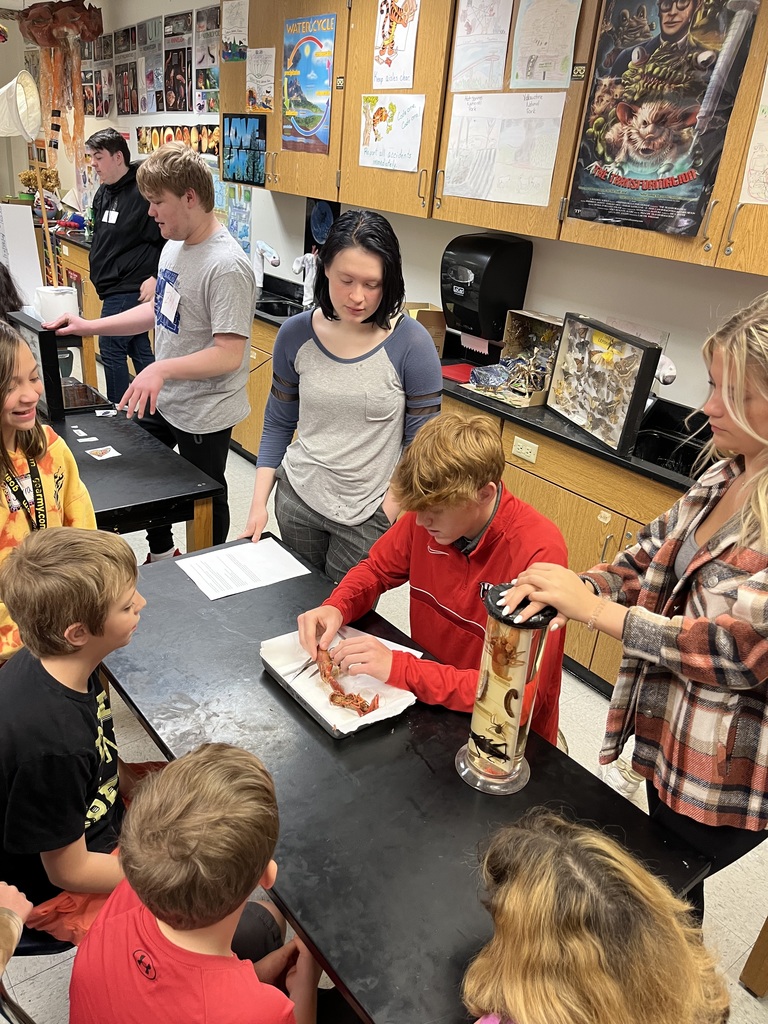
(583, 934)
(40, 486)
(690, 604)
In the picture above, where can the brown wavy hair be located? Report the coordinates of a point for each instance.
(449, 460)
(743, 344)
(583, 934)
(174, 168)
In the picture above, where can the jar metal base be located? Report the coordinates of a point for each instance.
(496, 787)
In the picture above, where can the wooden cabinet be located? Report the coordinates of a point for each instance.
(74, 271)
(606, 656)
(539, 221)
(395, 191)
(729, 237)
(304, 173)
(247, 434)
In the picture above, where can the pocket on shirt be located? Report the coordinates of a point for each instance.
(380, 408)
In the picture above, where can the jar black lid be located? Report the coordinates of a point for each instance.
(538, 621)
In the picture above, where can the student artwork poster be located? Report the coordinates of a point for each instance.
(666, 77)
(244, 148)
(308, 82)
(395, 44)
(390, 131)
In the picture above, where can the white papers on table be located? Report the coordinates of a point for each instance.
(390, 131)
(754, 188)
(542, 50)
(234, 570)
(502, 146)
(480, 47)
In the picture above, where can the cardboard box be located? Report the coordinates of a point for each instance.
(431, 317)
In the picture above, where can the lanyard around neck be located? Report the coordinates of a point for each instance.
(37, 516)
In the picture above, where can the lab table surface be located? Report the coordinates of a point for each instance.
(379, 836)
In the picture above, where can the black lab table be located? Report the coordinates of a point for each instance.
(379, 835)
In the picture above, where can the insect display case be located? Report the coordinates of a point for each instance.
(601, 380)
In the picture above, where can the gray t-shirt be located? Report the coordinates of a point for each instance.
(215, 282)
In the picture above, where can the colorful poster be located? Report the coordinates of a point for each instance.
(244, 147)
(659, 105)
(104, 76)
(149, 35)
(177, 64)
(542, 52)
(234, 29)
(207, 60)
(502, 147)
(308, 82)
(89, 106)
(238, 200)
(394, 46)
(480, 45)
(260, 80)
(390, 132)
(754, 188)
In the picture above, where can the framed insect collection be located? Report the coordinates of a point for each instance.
(601, 380)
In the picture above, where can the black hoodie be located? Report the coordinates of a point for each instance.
(126, 245)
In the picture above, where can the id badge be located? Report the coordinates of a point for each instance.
(170, 302)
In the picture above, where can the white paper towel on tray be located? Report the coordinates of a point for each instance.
(284, 654)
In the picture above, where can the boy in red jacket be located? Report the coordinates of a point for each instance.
(461, 528)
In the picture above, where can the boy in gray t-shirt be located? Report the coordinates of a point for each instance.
(194, 393)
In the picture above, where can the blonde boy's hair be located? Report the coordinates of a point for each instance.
(200, 834)
(449, 460)
(174, 168)
(584, 934)
(61, 576)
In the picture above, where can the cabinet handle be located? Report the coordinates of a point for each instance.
(267, 175)
(705, 229)
(422, 178)
(439, 198)
(731, 229)
(606, 542)
(274, 165)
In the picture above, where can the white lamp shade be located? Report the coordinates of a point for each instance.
(20, 108)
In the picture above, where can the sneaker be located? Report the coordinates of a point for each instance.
(149, 559)
(622, 777)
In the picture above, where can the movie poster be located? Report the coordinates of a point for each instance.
(308, 82)
(665, 81)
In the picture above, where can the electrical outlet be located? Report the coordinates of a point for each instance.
(525, 449)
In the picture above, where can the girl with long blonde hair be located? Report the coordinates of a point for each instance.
(583, 934)
(690, 604)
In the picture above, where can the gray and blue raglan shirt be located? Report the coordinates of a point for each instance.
(354, 416)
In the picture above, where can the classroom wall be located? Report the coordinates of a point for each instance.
(688, 301)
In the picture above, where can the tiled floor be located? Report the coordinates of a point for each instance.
(737, 898)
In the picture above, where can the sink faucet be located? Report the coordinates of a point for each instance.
(260, 252)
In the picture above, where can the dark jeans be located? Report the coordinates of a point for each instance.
(114, 351)
(720, 844)
(206, 451)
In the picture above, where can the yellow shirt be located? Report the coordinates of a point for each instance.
(67, 503)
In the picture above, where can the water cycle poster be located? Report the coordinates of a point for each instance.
(661, 97)
(307, 82)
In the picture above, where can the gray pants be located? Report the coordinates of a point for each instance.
(331, 547)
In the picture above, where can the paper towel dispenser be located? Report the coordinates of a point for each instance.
(481, 277)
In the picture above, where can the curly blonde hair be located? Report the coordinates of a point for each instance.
(583, 934)
(743, 343)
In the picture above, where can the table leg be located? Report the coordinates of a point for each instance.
(88, 355)
(754, 977)
(200, 529)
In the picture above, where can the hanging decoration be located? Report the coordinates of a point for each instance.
(58, 29)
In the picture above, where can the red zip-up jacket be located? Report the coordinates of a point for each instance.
(447, 614)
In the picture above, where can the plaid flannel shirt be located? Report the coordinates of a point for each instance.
(692, 684)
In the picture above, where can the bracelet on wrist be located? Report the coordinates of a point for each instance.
(592, 620)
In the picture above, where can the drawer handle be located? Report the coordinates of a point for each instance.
(606, 542)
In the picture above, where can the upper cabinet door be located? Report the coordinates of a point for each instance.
(540, 221)
(703, 248)
(395, 191)
(306, 156)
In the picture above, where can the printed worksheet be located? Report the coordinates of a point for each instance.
(233, 570)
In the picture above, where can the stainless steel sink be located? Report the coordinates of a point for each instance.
(276, 309)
